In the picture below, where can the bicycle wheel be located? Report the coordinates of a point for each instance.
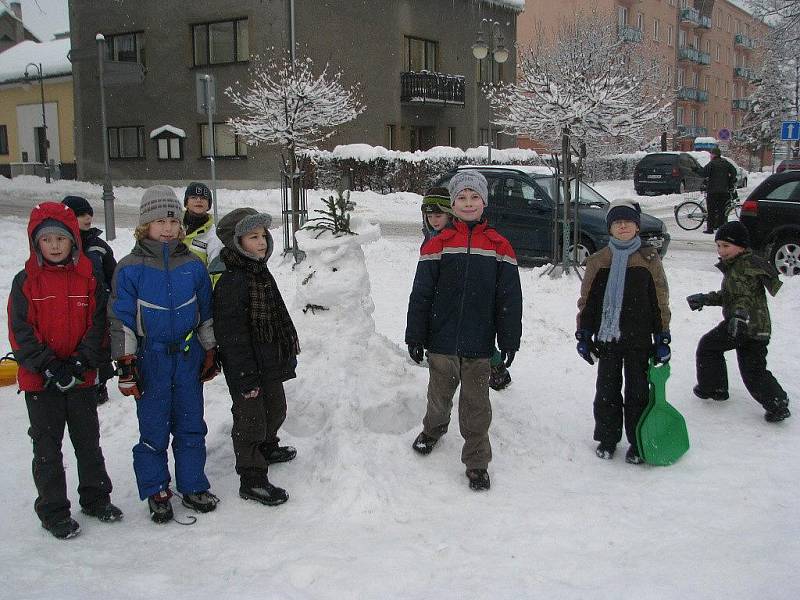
(690, 215)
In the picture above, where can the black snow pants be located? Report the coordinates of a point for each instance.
(609, 407)
(712, 373)
(49, 412)
(256, 422)
(716, 203)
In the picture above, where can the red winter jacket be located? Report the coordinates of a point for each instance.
(55, 311)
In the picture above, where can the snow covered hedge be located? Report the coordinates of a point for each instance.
(362, 167)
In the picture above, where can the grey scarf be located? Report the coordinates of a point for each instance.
(615, 287)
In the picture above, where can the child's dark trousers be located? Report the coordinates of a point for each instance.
(712, 373)
(49, 412)
(609, 407)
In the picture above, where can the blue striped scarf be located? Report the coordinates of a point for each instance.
(615, 287)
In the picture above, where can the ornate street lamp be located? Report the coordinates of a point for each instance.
(46, 143)
(496, 52)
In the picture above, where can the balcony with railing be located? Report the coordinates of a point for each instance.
(690, 15)
(691, 94)
(691, 131)
(694, 55)
(740, 104)
(426, 87)
(743, 41)
(630, 34)
(743, 73)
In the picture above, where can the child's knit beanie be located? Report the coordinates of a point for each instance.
(79, 205)
(52, 227)
(436, 200)
(159, 202)
(201, 190)
(468, 179)
(734, 233)
(624, 210)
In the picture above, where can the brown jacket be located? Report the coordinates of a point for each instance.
(645, 302)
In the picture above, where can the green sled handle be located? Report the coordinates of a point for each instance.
(661, 433)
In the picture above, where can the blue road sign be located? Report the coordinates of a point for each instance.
(790, 130)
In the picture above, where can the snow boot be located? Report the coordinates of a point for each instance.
(254, 485)
(278, 454)
(203, 502)
(102, 394)
(160, 506)
(499, 378)
(424, 444)
(632, 456)
(605, 451)
(718, 395)
(779, 413)
(478, 479)
(64, 529)
(103, 511)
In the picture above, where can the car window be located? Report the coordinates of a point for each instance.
(787, 191)
(497, 195)
(658, 160)
(588, 195)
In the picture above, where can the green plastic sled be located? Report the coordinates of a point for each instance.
(661, 432)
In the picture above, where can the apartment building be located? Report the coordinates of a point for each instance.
(413, 61)
(709, 48)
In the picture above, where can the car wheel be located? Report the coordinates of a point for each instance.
(585, 249)
(786, 256)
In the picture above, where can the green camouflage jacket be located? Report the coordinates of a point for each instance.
(745, 277)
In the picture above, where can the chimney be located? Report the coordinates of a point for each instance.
(16, 8)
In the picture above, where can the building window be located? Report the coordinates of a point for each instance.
(640, 21)
(693, 118)
(707, 83)
(421, 55)
(126, 47)
(451, 136)
(719, 52)
(169, 142)
(622, 16)
(226, 143)
(3, 139)
(670, 34)
(657, 30)
(730, 21)
(705, 118)
(126, 142)
(679, 116)
(221, 42)
(681, 38)
(483, 66)
(716, 120)
(680, 77)
(389, 137)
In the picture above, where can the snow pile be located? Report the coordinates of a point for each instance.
(366, 153)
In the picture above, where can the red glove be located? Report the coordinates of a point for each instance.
(129, 382)
(211, 366)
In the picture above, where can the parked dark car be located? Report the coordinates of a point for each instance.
(667, 173)
(788, 164)
(772, 216)
(521, 208)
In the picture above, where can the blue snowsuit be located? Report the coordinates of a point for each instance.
(160, 310)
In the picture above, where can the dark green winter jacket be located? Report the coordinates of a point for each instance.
(745, 277)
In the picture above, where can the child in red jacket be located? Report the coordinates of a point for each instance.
(56, 314)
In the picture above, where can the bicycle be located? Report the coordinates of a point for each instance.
(691, 214)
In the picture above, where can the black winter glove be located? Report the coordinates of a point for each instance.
(416, 352)
(697, 301)
(737, 324)
(58, 373)
(77, 366)
(586, 347)
(661, 351)
(507, 356)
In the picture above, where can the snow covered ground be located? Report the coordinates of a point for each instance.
(369, 518)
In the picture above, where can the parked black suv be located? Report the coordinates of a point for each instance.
(521, 208)
(667, 173)
(772, 216)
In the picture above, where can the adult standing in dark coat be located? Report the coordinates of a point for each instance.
(720, 177)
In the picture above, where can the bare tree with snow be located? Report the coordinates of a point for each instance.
(782, 15)
(291, 105)
(589, 81)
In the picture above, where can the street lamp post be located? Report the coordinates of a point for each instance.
(497, 53)
(45, 160)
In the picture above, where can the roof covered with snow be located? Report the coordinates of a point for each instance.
(51, 55)
(517, 5)
(176, 131)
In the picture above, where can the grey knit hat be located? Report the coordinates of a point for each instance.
(54, 227)
(624, 210)
(238, 222)
(468, 179)
(159, 202)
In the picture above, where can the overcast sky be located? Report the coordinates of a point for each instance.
(44, 17)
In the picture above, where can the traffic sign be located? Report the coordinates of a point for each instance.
(206, 93)
(790, 130)
(724, 134)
